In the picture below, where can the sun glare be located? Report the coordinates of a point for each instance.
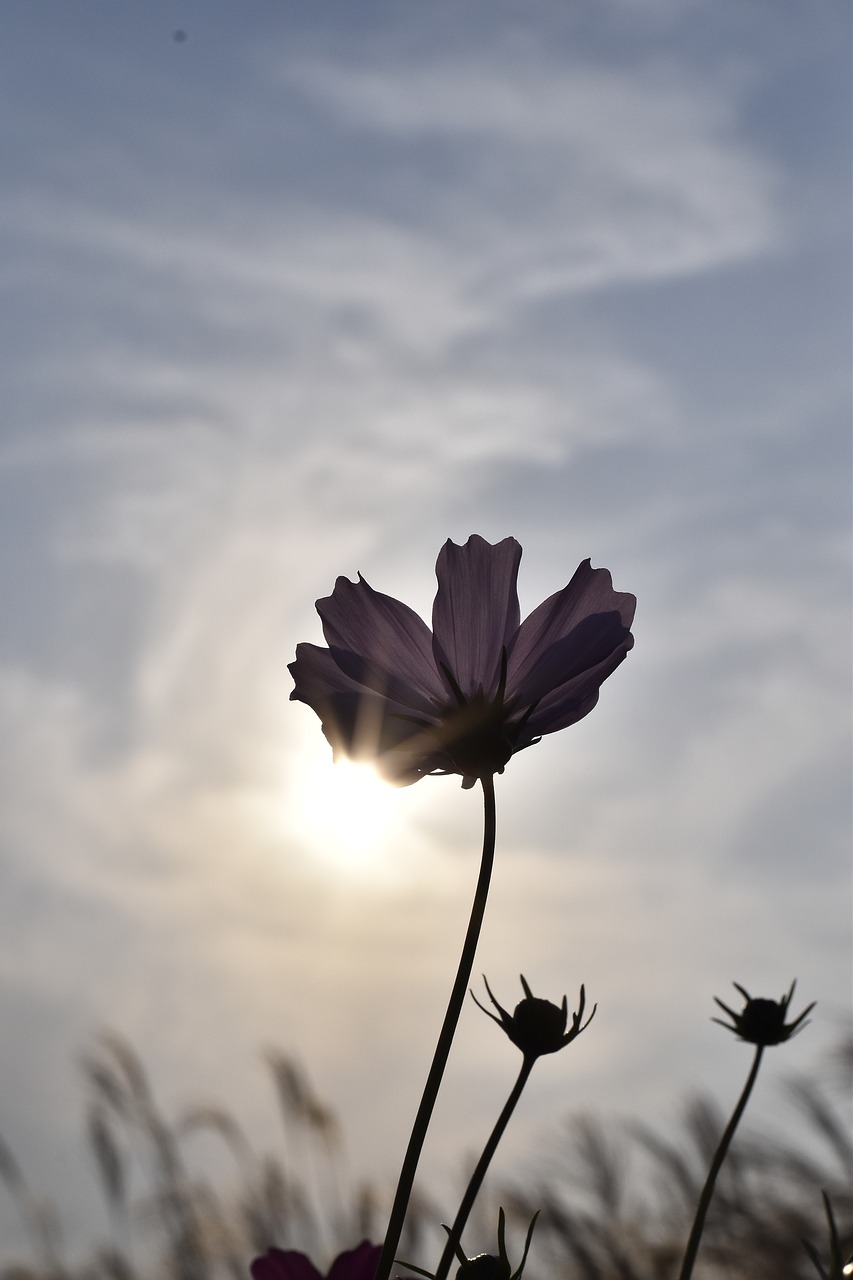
(347, 810)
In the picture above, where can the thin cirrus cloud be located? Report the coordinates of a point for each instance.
(583, 177)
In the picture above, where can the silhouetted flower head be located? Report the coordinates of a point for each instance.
(537, 1026)
(287, 1264)
(488, 1266)
(485, 1266)
(763, 1021)
(481, 685)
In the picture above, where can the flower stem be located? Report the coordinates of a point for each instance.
(445, 1039)
(716, 1164)
(479, 1173)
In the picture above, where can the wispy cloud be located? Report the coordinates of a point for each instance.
(577, 176)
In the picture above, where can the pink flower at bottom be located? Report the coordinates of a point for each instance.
(288, 1264)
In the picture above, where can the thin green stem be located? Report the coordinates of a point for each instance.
(445, 1039)
(473, 1188)
(716, 1164)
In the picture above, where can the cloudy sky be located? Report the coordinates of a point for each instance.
(305, 294)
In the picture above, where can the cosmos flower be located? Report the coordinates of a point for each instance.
(464, 697)
(287, 1264)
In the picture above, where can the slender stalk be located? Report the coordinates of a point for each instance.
(445, 1039)
(473, 1188)
(716, 1164)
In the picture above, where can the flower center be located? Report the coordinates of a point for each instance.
(474, 731)
(475, 737)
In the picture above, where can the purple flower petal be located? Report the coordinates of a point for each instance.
(590, 592)
(369, 728)
(316, 675)
(476, 610)
(362, 725)
(573, 700)
(357, 723)
(356, 1264)
(380, 642)
(586, 646)
(284, 1264)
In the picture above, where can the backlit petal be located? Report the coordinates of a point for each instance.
(357, 723)
(387, 639)
(590, 592)
(316, 675)
(476, 610)
(573, 700)
(589, 644)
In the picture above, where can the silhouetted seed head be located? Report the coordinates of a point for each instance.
(490, 1266)
(484, 1267)
(763, 1021)
(537, 1026)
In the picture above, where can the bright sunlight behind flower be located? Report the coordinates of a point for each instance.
(348, 811)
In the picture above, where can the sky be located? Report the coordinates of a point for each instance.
(304, 294)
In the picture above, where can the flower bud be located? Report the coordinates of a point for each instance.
(537, 1026)
(490, 1266)
(762, 1022)
(485, 1266)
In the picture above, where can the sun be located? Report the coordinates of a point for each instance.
(346, 811)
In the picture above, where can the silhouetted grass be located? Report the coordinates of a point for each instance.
(616, 1201)
(617, 1204)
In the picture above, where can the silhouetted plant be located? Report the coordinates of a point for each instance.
(614, 1201)
(459, 699)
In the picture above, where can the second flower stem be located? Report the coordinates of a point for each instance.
(716, 1164)
(479, 1173)
(445, 1039)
